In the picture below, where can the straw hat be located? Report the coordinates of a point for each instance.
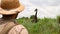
(9, 7)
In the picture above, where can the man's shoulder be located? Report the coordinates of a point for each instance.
(18, 29)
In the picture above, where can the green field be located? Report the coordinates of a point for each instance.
(43, 26)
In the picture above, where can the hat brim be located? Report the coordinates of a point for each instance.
(13, 11)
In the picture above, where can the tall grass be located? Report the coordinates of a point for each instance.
(43, 26)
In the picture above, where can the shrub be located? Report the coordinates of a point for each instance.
(58, 19)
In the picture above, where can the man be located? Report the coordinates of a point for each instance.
(9, 10)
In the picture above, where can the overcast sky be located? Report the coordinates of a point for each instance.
(47, 8)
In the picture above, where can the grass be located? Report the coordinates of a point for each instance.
(43, 26)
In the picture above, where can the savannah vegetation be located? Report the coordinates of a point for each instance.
(43, 25)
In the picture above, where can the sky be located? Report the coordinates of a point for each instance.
(46, 8)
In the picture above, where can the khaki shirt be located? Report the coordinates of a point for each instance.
(18, 29)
